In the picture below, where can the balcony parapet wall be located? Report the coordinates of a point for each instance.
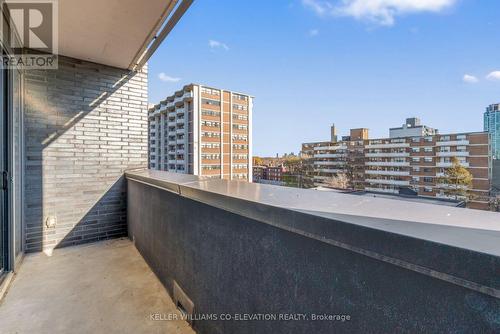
(236, 247)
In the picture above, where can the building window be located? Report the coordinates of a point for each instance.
(240, 117)
(427, 149)
(210, 124)
(210, 145)
(240, 137)
(210, 134)
(210, 156)
(240, 97)
(210, 91)
(210, 102)
(210, 112)
(210, 167)
(240, 127)
(240, 107)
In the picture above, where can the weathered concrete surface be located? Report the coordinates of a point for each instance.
(105, 287)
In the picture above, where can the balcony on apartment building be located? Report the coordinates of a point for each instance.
(388, 154)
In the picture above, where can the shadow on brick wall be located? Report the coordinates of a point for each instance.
(84, 125)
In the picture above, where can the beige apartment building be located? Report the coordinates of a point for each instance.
(203, 131)
(407, 165)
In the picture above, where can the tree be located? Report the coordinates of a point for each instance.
(257, 161)
(339, 181)
(457, 180)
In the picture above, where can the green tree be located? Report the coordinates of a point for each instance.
(457, 180)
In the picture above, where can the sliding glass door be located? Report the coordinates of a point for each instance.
(3, 169)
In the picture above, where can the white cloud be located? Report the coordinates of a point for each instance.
(494, 76)
(381, 12)
(167, 78)
(313, 32)
(469, 79)
(217, 45)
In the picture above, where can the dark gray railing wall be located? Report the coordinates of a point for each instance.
(228, 263)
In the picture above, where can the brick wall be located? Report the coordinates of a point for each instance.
(85, 124)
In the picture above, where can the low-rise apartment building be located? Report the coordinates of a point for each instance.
(408, 165)
(268, 173)
(202, 131)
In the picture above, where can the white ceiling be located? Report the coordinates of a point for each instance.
(109, 32)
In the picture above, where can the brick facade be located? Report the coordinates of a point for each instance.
(85, 124)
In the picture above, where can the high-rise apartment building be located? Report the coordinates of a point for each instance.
(407, 165)
(492, 125)
(203, 131)
(412, 128)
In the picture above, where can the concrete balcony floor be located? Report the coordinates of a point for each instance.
(105, 287)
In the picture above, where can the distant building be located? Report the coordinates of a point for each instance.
(268, 174)
(202, 131)
(412, 128)
(492, 126)
(406, 165)
(358, 134)
(257, 173)
(333, 133)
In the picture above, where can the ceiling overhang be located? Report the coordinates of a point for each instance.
(118, 33)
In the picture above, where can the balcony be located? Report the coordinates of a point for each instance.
(452, 154)
(96, 244)
(225, 231)
(453, 143)
(450, 164)
(387, 154)
(228, 247)
(388, 163)
(330, 170)
(387, 145)
(328, 163)
(387, 172)
(329, 155)
(330, 148)
(104, 287)
(390, 182)
(382, 190)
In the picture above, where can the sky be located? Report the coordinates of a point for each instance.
(355, 63)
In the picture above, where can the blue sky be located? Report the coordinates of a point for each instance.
(355, 63)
